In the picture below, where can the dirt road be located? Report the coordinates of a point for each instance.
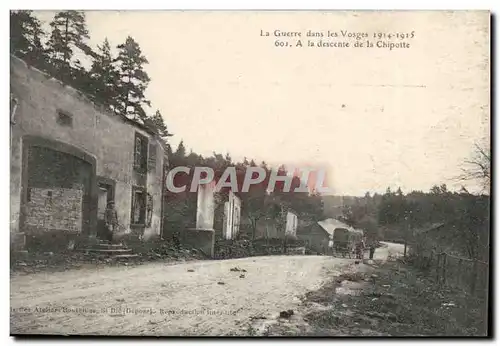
(195, 298)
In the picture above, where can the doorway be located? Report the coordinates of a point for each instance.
(58, 191)
(105, 194)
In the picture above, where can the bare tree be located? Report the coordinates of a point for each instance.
(478, 167)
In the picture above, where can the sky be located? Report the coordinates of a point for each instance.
(373, 118)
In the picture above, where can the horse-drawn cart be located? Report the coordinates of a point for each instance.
(344, 242)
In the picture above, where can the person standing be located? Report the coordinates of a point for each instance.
(111, 220)
(372, 249)
(360, 249)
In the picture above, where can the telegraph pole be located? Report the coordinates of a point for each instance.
(406, 235)
(407, 231)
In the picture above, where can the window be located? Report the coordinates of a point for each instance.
(152, 156)
(140, 153)
(139, 204)
(64, 119)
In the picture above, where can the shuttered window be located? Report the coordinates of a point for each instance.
(140, 153)
(152, 157)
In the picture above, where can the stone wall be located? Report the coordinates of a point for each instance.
(291, 224)
(202, 239)
(232, 217)
(205, 207)
(55, 209)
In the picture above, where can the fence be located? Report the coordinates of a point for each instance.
(459, 272)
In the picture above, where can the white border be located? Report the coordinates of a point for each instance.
(180, 5)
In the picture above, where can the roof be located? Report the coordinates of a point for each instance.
(148, 127)
(431, 227)
(330, 225)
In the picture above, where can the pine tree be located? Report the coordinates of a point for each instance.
(80, 78)
(133, 80)
(181, 150)
(159, 124)
(169, 150)
(104, 77)
(25, 38)
(229, 160)
(68, 31)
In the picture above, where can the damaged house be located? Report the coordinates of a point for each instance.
(70, 158)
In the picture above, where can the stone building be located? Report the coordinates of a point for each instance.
(69, 158)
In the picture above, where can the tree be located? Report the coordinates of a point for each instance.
(444, 189)
(159, 125)
(25, 38)
(133, 80)
(392, 208)
(254, 202)
(477, 167)
(68, 31)
(104, 77)
(254, 206)
(169, 150)
(309, 206)
(229, 160)
(369, 226)
(435, 190)
(181, 150)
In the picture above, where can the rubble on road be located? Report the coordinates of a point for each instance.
(286, 314)
(239, 248)
(237, 269)
(168, 251)
(100, 254)
(252, 318)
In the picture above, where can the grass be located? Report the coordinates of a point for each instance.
(396, 301)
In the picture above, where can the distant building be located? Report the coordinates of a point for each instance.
(267, 228)
(69, 158)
